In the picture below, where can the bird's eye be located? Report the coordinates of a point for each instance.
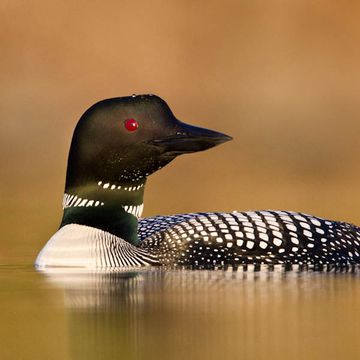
(131, 125)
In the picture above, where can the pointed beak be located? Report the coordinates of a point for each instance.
(189, 139)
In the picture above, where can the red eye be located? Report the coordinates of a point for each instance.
(131, 125)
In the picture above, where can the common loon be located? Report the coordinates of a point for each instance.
(116, 144)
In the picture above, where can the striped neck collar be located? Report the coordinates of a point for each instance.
(105, 205)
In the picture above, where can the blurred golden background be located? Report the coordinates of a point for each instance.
(281, 77)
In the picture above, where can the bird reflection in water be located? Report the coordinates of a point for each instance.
(177, 314)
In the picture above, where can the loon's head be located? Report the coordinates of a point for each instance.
(116, 144)
(123, 140)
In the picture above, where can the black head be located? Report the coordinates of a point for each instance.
(123, 140)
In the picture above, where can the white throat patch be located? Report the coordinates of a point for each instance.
(106, 185)
(76, 201)
(135, 210)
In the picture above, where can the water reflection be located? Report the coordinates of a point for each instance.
(210, 314)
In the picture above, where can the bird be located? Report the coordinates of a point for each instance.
(116, 145)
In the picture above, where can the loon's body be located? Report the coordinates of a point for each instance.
(116, 145)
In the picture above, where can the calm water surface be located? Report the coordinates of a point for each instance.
(158, 314)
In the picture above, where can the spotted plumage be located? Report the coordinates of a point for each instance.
(217, 240)
(116, 145)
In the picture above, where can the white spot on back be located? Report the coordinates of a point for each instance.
(250, 244)
(263, 244)
(315, 222)
(291, 227)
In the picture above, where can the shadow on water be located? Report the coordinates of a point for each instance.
(158, 314)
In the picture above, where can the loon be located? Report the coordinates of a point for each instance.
(116, 145)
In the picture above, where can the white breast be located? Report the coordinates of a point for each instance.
(86, 247)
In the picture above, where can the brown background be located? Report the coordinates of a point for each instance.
(281, 77)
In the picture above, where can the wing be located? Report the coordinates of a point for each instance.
(212, 240)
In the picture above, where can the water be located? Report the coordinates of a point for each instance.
(163, 314)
